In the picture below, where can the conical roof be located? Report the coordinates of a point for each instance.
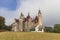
(36, 19)
(22, 14)
(39, 12)
(28, 16)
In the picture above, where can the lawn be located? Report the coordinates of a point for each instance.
(29, 36)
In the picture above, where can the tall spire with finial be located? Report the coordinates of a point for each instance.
(22, 14)
(28, 14)
(39, 12)
(39, 18)
(28, 17)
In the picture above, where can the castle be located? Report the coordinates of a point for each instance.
(28, 24)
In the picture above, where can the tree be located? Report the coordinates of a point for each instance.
(57, 28)
(2, 22)
(48, 29)
(7, 28)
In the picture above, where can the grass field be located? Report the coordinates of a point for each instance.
(28, 36)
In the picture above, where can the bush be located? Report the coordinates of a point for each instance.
(57, 28)
(48, 29)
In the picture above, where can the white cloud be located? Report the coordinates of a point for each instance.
(9, 15)
(50, 9)
(31, 6)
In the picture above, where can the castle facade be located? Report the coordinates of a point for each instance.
(28, 24)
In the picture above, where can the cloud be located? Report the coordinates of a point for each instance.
(10, 4)
(32, 6)
(49, 8)
(52, 12)
(9, 15)
(5, 6)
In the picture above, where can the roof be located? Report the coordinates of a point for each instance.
(16, 20)
(39, 12)
(36, 19)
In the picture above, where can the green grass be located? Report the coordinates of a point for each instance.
(28, 36)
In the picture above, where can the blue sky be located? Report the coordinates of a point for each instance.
(8, 10)
(50, 9)
(9, 4)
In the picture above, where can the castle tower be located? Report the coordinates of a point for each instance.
(21, 19)
(29, 22)
(21, 16)
(15, 25)
(39, 27)
(39, 18)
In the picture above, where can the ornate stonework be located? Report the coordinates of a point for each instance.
(28, 23)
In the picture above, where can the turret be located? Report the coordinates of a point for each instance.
(21, 20)
(28, 17)
(21, 16)
(39, 27)
(39, 12)
(39, 18)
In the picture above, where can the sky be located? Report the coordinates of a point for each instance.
(50, 10)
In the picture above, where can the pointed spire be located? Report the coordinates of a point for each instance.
(28, 17)
(22, 14)
(39, 12)
(36, 19)
(28, 14)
